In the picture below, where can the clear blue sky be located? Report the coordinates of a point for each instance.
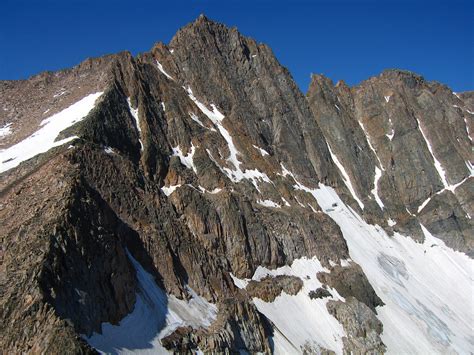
(350, 40)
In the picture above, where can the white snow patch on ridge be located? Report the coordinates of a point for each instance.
(345, 178)
(427, 288)
(299, 319)
(5, 130)
(154, 316)
(44, 139)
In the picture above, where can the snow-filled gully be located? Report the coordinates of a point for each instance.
(236, 175)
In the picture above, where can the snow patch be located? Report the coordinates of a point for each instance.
(299, 319)
(387, 98)
(168, 190)
(5, 130)
(45, 138)
(160, 67)
(134, 113)
(196, 119)
(437, 164)
(109, 150)
(390, 135)
(263, 152)
(345, 178)
(285, 202)
(370, 144)
(212, 192)
(186, 160)
(61, 93)
(391, 222)
(374, 191)
(451, 188)
(154, 316)
(268, 203)
(238, 174)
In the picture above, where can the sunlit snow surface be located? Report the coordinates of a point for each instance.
(427, 288)
(155, 316)
(45, 138)
(299, 320)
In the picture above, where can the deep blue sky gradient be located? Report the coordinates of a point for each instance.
(350, 40)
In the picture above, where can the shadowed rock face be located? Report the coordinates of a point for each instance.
(199, 158)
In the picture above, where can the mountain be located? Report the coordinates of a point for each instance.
(192, 199)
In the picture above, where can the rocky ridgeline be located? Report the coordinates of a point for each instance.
(199, 159)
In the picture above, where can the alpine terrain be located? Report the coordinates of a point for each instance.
(192, 200)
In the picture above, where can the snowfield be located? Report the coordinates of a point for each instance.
(427, 288)
(45, 138)
(155, 316)
(298, 319)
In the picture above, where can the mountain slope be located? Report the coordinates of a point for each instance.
(193, 197)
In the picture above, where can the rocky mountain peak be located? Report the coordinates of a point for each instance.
(194, 198)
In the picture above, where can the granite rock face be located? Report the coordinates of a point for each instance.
(199, 160)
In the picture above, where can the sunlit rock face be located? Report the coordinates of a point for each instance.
(192, 199)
